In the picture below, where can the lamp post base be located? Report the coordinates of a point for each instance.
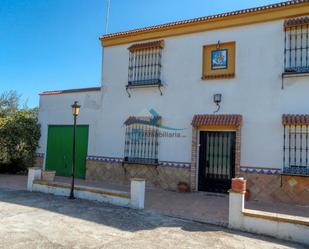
(71, 196)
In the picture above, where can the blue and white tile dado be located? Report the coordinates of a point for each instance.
(120, 160)
(175, 164)
(267, 171)
(105, 159)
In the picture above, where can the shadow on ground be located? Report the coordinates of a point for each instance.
(124, 219)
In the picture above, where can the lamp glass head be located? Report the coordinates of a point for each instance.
(217, 98)
(75, 108)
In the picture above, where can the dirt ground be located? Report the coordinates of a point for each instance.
(35, 220)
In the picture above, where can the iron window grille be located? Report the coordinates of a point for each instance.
(296, 50)
(141, 144)
(296, 149)
(145, 64)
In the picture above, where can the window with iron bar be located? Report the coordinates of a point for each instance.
(141, 144)
(296, 50)
(145, 64)
(296, 149)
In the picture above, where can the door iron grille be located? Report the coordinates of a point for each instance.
(216, 161)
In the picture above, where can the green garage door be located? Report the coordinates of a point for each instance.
(60, 149)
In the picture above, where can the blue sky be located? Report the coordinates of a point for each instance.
(53, 44)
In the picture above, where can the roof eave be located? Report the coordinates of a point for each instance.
(67, 91)
(227, 20)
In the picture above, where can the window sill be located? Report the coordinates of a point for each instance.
(144, 83)
(153, 162)
(295, 172)
(218, 76)
(294, 74)
(141, 163)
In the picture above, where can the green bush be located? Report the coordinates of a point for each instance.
(19, 137)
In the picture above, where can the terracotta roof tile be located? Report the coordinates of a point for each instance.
(206, 18)
(143, 120)
(55, 92)
(296, 22)
(152, 44)
(220, 120)
(132, 119)
(295, 119)
(218, 76)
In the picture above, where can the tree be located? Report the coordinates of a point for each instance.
(9, 103)
(19, 134)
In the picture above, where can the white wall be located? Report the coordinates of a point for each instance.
(56, 110)
(255, 93)
(281, 226)
(135, 199)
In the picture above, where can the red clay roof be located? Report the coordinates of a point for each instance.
(295, 119)
(89, 89)
(206, 18)
(220, 120)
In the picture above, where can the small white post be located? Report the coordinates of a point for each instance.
(33, 174)
(237, 203)
(137, 200)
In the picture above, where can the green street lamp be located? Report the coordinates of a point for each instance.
(75, 112)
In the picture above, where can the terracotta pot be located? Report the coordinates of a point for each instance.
(183, 187)
(48, 175)
(239, 185)
(247, 195)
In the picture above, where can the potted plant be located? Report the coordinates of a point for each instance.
(183, 187)
(247, 195)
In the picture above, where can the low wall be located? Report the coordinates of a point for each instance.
(134, 199)
(278, 188)
(39, 161)
(157, 176)
(281, 226)
(92, 194)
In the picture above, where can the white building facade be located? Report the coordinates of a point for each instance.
(197, 103)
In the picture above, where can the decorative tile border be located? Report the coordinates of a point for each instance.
(175, 164)
(268, 171)
(40, 155)
(105, 159)
(120, 160)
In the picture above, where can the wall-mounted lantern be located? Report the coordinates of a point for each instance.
(217, 101)
(218, 44)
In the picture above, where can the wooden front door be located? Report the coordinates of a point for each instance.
(216, 161)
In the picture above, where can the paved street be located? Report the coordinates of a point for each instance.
(199, 206)
(34, 220)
